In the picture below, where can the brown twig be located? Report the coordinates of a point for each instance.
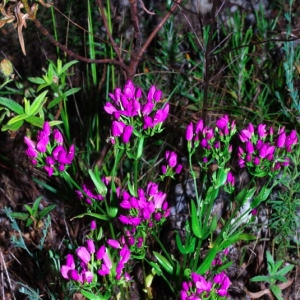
(77, 56)
(113, 43)
(135, 59)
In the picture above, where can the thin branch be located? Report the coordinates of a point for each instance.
(72, 54)
(136, 59)
(116, 48)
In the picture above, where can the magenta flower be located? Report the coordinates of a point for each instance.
(113, 243)
(249, 147)
(87, 276)
(93, 225)
(161, 115)
(31, 152)
(49, 170)
(245, 135)
(230, 179)
(107, 261)
(189, 132)
(117, 128)
(68, 270)
(281, 140)
(109, 108)
(178, 168)
(127, 134)
(129, 89)
(42, 144)
(46, 128)
(104, 270)
(100, 252)
(151, 93)
(147, 108)
(171, 157)
(262, 131)
(58, 136)
(83, 254)
(90, 246)
(29, 142)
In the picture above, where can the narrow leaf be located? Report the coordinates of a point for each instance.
(196, 226)
(17, 119)
(164, 262)
(12, 105)
(38, 103)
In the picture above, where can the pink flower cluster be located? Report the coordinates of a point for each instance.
(53, 157)
(148, 207)
(200, 288)
(172, 167)
(102, 263)
(212, 141)
(124, 257)
(131, 112)
(69, 271)
(264, 151)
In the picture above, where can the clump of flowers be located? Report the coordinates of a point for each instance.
(143, 212)
(92, 262)
(264, 152)
(48, 151)
(135, 114)
(200, 288)
(173, 167)
(214, 143)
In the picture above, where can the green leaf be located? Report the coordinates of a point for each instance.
(17, 119)
(71, 92)
(276, 291)
(236, 238)
(185, 250)
(27, 106)
(12, 105)
(245, 195)
(20, 215)
(156, 268)
(29, 222)
(221, 177)
(55, 123)
(262, 196)
(279, 278)
(94, 215)
(90, 296)
(29, 209)
(67, 66)
(131, 187)
(36, 121)
(54, 101)
(196, 226)
(37, 80)
(206, 264)
(12, 127)
(38, 103)
(285, 270)
(260, 278)
(47, 210)
(36, 204)
(100, 186)
(140, 148)
(164, 262)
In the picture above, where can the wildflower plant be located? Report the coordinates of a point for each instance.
(49, 152)
(125, 215)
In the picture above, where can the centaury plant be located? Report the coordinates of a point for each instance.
(127, 213)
